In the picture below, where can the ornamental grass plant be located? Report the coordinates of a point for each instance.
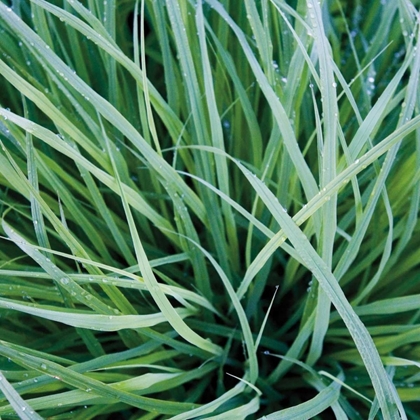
(209, 209)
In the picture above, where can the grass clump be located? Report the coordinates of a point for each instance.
(209, 209)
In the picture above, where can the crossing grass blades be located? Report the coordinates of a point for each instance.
(209, 209)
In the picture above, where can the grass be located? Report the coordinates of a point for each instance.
(209, 210)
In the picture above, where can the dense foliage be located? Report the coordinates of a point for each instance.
(209, 209)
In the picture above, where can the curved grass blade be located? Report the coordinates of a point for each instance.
(150, 280)
(309, 409)
(83, 319)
